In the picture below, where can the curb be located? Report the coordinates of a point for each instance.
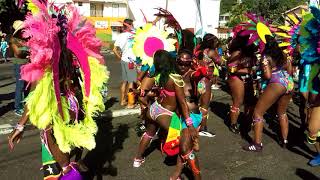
(7, 128)
(120, 113)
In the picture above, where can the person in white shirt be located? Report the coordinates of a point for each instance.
(123, 51)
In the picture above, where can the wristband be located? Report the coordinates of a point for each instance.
(19, 127)
(139, 79)
(189, 121)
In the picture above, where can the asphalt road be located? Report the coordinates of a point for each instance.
(220, 157)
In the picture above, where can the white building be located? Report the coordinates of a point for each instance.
(197, 15)
(102, 8)
(224, 19)
(200, 16)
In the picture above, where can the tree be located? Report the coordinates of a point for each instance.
(226, 5)
(9, 12)
(271, 10)
(237, 15)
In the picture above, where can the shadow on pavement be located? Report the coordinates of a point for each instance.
(304, 174)
(6, 108)
(8, 96)
(108, 142)
(110, 102)
(8, 84)
(221, 110)
(296, 135)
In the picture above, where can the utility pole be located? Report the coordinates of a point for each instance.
(166, 4)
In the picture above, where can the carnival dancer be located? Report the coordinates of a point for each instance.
(207, 56)
(309, 42)
(191, 88)
(146, 83)
(166, 107)
(242, 59)
(280, 85)
(66, 76)
(147, 40)
(290, 37)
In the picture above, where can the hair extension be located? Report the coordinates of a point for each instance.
(209, 41)
(187, 41)
(164, 65)
(273, 50)
(240, 43)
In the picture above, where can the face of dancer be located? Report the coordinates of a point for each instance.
(184, 62)
(212, 53)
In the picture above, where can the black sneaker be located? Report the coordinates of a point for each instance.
(234, 128)
(283, 144)
(253, 147)
(140, 129)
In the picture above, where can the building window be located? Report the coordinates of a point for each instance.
(115, 10)
(79, 3)
(96, 9)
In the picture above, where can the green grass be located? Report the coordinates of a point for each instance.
(104, 37)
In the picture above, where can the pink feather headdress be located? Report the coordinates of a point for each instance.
(42, 31)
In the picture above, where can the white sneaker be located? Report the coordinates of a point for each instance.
(214, 87)
(138, 162)
(206, 134)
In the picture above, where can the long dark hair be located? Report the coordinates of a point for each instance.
(209, 41)
(240, 43)
(164, 65)
(184, 51)
(273, 50)
(188, 40)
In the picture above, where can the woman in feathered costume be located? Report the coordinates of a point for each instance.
(66, 75)
(310, 50)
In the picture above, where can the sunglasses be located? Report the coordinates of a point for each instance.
(184, 63)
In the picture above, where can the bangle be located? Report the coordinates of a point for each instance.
(19, 127)
(139, 79)
(265, 62)
(189, 121)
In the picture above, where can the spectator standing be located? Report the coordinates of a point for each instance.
(4, 46)
(123, 51)
(20, 53)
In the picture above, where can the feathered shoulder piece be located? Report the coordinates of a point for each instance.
(310, 37)
(170, 20)
(46, 30)
(257, 27)
(50, 30)
(288, 35)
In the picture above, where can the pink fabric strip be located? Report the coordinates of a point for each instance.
(169, 93)
(55, 71)
(76, 47)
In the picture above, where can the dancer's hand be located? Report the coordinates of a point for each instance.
(193, 132)
(15, 136)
